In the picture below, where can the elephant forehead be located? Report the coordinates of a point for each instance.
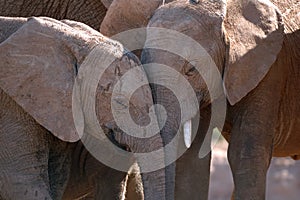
(196, 21)
(185, 14)
(124, 85)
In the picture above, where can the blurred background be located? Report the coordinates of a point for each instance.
(283, 180)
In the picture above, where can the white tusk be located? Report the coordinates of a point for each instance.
(187, 131)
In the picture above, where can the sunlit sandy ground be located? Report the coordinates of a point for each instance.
(283, 177)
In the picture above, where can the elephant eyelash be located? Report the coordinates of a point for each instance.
(194, 1)
(190, 69)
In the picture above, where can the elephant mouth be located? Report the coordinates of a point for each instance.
(111, 133)
(112, 138)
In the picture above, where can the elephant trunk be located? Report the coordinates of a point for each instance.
(149, 155)
(153, 181)
(143, 139)
(165, 98)
(178, 109)
(154, 185)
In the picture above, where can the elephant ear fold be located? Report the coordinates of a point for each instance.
(38, 71)
(106, 3)
(255, 32)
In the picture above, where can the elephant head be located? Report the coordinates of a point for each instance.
(233, 33)
(44, 60)
(124, 15)
(242, 39)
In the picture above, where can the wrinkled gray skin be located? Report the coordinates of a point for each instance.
(260, 65)
(34, 163)
(90, 12)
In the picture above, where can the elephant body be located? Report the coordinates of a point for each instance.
(265, 123)
(286, 140)
(282, 84)
(41, 155)
(89, 12)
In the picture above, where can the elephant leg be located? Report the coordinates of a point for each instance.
(29, 156)
(111, 184)
(23, 167)
(251, 143)
(193, 173)
(192, 176)
(90, 179)
(59, 166)
(249, 153)
(100, 183)
(23, 154)
(255, 122)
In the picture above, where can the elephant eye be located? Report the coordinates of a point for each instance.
(189, 69)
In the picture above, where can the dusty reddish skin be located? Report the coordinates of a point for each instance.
(261, 76)
(124, 15)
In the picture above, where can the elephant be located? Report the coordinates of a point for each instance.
(42, 154)
(90, 12)
(254, 46)
(124, 15)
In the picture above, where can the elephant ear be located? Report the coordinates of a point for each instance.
(255, 32)
(38, 68)
(9, 25)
